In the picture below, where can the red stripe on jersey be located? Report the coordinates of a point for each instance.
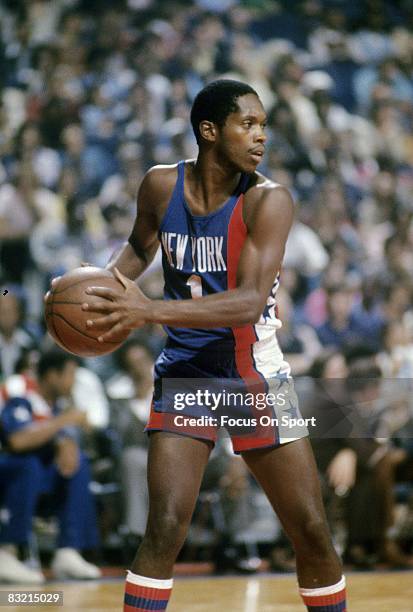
(245, 336)
(237, 233)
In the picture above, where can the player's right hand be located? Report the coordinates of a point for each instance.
(125, 308)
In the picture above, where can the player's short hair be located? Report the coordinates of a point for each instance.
(216, 101)
(53, 359)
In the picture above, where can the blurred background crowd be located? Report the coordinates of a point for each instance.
(94, 92)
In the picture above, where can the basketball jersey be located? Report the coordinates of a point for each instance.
(200, 257)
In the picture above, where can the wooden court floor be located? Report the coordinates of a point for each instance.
(368, 592)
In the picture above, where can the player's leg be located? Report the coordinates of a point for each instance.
(176, 465)
(288, 475)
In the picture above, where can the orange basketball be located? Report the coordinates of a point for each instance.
(65, 319)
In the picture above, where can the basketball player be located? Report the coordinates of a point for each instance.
(222, 228)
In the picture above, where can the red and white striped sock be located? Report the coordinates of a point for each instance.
(326, 599)
(142, 593)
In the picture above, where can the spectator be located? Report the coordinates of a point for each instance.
(14, 338)
(41, 451)
(91, 162)
(22, 204)
(339, 330)
(358, 468)
(298, 342)
(45, 161)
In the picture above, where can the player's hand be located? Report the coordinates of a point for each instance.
(124, 309)
(67, 457)
(341, 472)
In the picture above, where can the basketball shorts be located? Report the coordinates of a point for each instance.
(198, 392)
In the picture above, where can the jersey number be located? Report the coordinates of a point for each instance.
(195, 285)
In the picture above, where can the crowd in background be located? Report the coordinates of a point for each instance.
(94, 92)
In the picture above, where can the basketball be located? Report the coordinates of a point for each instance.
(65, 319)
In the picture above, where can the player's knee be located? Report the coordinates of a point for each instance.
(167, 530)
(313, 535)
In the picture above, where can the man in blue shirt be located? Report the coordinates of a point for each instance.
(40, 454)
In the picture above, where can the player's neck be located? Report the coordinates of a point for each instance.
(212, 181)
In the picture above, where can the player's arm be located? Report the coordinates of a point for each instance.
(140, 249)
(268, 226)
(260, 260)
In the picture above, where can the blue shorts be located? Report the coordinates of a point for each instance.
(197, 392)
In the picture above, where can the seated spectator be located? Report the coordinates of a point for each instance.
(41, 455)
(351, 318)
(368, 314)
(396, 358)
(14, 339)
(239, 514)
(358, 467)
(23, 204)
(338, 330)
(44, 160)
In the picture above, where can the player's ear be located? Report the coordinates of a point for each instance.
(208, 131)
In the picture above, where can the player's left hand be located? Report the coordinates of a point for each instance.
(123, 309)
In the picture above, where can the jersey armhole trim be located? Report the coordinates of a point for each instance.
(177, 190)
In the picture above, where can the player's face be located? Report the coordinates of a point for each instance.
(242, 138)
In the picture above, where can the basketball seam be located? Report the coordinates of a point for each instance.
(51, 314)
(67, 302)
(82, 280)
(55, 314)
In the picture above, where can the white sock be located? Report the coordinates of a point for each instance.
(328, 590)
(150, 583)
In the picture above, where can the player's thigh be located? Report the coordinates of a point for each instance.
(176, 465)
(288, 475)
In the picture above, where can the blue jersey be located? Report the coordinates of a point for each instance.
(200, 257)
